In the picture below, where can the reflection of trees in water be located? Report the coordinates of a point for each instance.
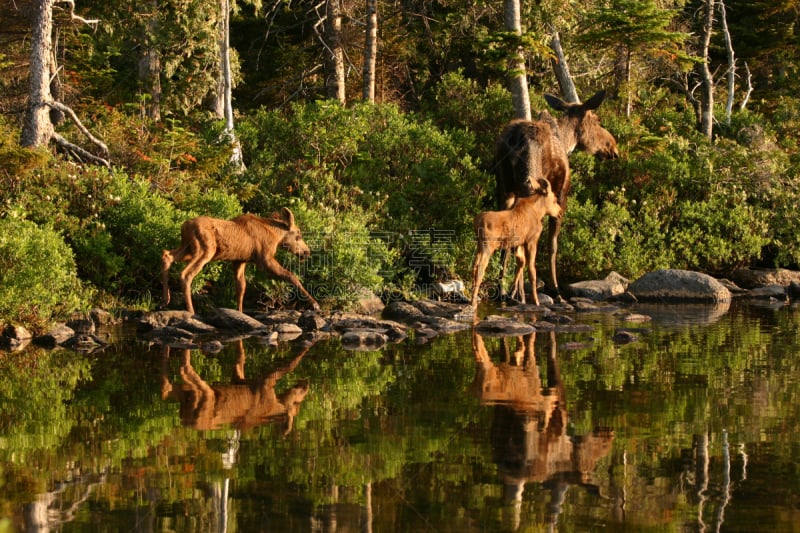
(528, 433)
(59, 506)
(700, 487)
(241, 404)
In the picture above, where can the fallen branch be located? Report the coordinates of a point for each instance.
(78, 151)
(68, 111)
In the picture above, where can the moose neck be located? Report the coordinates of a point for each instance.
(568, 132)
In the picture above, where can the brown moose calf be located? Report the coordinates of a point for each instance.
(519, 226)
(245, 239)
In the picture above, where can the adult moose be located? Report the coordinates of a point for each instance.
(528, 150)
(245, 239)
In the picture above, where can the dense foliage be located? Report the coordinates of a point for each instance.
(386, 192)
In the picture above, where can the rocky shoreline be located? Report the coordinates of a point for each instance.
(421, 319)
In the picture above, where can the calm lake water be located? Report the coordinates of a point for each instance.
(693, 427)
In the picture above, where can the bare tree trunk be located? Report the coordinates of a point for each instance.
(749, 90)
(216, 97)
(707, 87)
(731, 62)
(561, 69)
(518, 80)
(150, 64)
(227, 84)
(334, 70)
(628, 85)
(38, 129)
(370, 50)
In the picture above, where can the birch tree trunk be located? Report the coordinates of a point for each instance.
(518, 80)
(216, 97)
(227, 84)
(334, 70)
(731, 61)
(707, 79)
(370, 50)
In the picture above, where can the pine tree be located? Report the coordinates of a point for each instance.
(631, 28)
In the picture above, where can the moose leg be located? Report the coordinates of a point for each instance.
(554, 229)
(478, 271)
(167, 258)
(506, 203)
(518, 286)
(193, 268)
(239, 268)
(530, 257)
(273, 267)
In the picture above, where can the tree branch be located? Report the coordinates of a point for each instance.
(71, 3)
(68, 111)
(749, 88)
(78, 151)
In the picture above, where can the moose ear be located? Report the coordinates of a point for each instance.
(556, 103)
(288, 216)
(595, 101)
(544, 186)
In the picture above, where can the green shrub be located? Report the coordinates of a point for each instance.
(124, 244)
(459, 103)
(401, 174)
(718, 235)
(37, 274)
(347, 257)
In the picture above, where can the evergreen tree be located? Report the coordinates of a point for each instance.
(633, 28)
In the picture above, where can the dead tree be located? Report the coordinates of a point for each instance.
(561, 69)
(731, 61)
(39, 128)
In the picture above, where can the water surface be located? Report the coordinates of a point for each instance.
(693, 427)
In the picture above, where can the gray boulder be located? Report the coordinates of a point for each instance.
(161, 319)
(679, 285)
(58, 335)
(751, 278)
(233, 320)
(402, 311)
(769, 292)
(600, 289)
(15, 338)
(500, 326)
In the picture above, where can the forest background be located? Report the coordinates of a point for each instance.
(375, 123)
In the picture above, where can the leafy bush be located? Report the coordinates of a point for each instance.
(37, 274)
(347, 256)
(398, 172)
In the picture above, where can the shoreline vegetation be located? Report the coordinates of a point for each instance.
(384, 189)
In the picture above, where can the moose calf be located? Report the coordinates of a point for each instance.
(519, 226)
(245, 239)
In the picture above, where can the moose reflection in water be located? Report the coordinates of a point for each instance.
(528, 433)
(241, 404)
